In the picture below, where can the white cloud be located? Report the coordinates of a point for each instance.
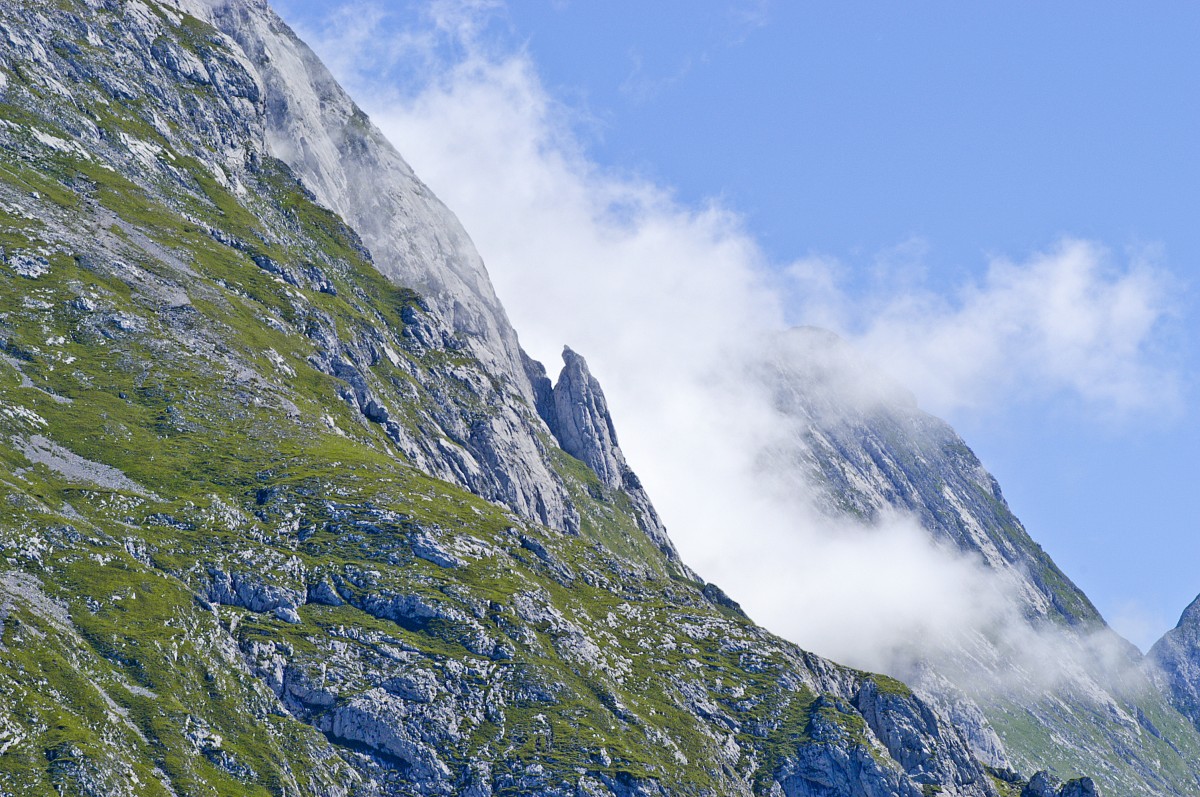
(669, 303)
(1067, 321)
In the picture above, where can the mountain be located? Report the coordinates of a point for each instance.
(1177, 655)
(287, 511)
(1044, 682)
(870, 450)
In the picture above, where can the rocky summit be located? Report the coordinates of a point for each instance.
(287, 510)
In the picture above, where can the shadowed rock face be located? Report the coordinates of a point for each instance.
(1178, 656)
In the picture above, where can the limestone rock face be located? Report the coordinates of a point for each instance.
(309, 122)
(313, 125)
(911, 733)
(1177, 654)
(576, 412)
(581, 423)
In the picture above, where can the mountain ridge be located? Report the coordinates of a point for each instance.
(267, 528)
(1177, 655)
(289, 511)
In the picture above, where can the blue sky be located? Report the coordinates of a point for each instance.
(891, 155)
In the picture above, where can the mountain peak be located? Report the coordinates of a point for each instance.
(1191, 616)
(576, 412)
(1177, 656)
(581, 421)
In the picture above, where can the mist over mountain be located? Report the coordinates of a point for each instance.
(288, 510)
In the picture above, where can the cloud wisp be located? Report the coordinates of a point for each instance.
(671, 304)
(1066, 321)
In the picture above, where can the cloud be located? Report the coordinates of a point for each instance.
(673, 306)
(403, 45)
(1066, 321)
(747, 16)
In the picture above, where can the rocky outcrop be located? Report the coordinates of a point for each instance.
(579, 419)
(1043, 784)
(576, 412)
(916, 739)
(1177, 655)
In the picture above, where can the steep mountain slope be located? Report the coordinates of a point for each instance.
(274, 524)
(1049, 684)
(865, 442)
(310, 124)
(1177, 654)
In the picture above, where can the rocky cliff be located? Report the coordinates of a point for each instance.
(286, 509)
(1177, 655)
(1047, 683)
(865, 443)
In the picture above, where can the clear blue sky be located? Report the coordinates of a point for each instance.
(844, 129)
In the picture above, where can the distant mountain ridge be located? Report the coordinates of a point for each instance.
(1076, 696)
(864, 439)
(1178, 656)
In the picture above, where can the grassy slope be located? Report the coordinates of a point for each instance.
(151, 348)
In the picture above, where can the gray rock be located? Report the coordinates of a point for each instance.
(28, 266)
(75, 468)
(419, 686)
(254, 593)
(324, 594)
(425, 547)
(577, 414)
(1177, 655)
(379, 721)
(581, 423)
(829, 765)
(1080, 787)
(915, 739)
(1042, 784)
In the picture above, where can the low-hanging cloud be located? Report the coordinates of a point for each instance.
(1068, 320)
(672, 305)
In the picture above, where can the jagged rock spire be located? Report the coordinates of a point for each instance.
(581, 421)
(576, 412)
